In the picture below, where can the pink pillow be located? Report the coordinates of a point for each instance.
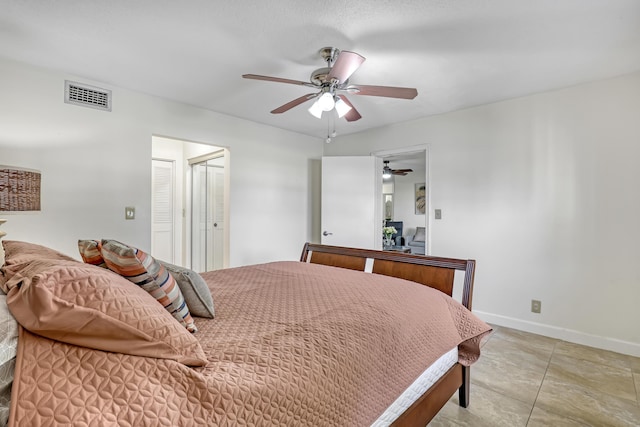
(18, 253)
(92, 307)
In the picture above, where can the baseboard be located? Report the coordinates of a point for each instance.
(577, 337)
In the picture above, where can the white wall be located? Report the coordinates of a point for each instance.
(543, 192)
(94, 163)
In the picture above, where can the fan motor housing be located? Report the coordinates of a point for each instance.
(320, 77)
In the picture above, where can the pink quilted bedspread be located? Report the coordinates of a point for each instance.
(291, 344)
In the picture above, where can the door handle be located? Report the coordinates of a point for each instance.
(215, 224)
(326, 233)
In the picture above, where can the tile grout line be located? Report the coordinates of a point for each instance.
(609, 365)
(542, 382)
(635, 385)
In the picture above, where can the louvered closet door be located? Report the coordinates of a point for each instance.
(162, 232)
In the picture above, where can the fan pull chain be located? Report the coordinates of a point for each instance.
(328, 140)
(331, 121)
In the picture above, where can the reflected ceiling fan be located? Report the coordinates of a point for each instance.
(387, 171)
(332, 85)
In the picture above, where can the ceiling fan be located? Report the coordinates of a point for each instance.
(332, 85)
(387, 171)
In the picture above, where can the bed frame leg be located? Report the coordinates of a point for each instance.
(463, 391)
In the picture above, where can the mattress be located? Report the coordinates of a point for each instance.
(427, 379)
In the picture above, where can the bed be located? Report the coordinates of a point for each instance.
(336, 338)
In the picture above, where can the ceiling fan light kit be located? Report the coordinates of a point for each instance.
(342, 108)
(326, 102)
(332, 82)
(315, 110)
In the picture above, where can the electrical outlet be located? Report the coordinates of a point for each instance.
(536, 306)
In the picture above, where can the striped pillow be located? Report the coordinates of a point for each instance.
(90, 252)
(146, 272)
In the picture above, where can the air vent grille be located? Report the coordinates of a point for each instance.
(87, 96)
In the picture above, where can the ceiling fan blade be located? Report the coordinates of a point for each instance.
(353, 114)
(346, 64)
(388, 91)
(289, 105)
(276, 79)
(398, 173)
(403, 170)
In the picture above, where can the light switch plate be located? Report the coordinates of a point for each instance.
(129, 212)
(438, 213)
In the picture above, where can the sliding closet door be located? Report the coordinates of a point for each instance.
(207, 210)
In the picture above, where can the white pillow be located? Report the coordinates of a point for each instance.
(8, 332)
(8, 346)
(1, 254)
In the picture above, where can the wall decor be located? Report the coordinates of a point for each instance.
(19, 189)
(388, 206)
(421, 198)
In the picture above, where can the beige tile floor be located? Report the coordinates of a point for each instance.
(524, 379)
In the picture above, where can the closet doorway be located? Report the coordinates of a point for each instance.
(190, 203)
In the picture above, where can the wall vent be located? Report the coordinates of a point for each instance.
(87, 96)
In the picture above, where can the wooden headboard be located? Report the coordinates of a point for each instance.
(434, 272)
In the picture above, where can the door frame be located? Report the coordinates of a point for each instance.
(416, 149)
(184, 201)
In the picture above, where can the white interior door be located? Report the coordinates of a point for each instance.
(207, 214)
(162, 219)
(218, 218)
(351, 201)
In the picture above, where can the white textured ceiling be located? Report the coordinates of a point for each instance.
(457, 53)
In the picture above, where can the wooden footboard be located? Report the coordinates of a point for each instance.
(431, 271)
